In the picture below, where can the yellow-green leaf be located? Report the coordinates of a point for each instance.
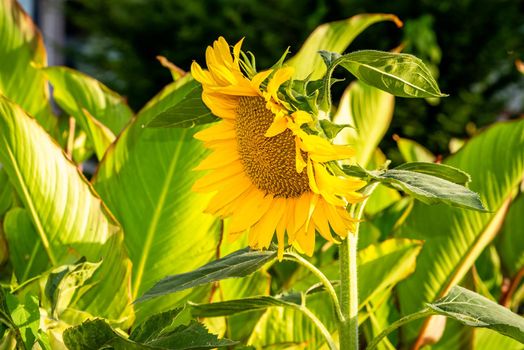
(69, 217)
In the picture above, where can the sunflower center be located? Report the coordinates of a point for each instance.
(268, 161)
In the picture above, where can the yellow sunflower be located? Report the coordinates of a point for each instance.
(268, 174)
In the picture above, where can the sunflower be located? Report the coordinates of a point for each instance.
(269, 173)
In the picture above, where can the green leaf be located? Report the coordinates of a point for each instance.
(23, 51)
(369, 111)
(6, 193)
(486, 339)
(62, 283)
(240, 326)
(186, 112)
(333, 36)
(155, 165)
(332, 129)
(238, 264)
(26, 252)
(68, 216)
(285, 327)
(97, 334)
(25, 317)
(430, 189)
(100, 112)
(412, 151)
(231, 307)
(399, 74)
(193, 336)
(455, 237)
(511, 240)
(74, 91)
(474, 310)
(443, 171)
(160, 323)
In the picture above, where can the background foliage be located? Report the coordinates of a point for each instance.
(73, 249)
(472, 45)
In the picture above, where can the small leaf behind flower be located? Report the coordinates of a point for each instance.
(475, 310)
(189, 111)
(238, 264)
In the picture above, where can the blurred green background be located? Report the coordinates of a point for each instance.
(470, 45)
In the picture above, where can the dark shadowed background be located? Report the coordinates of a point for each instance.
(470, 45)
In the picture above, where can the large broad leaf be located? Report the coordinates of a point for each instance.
(239, 327)
(285, 326)
(369, 111)
(26, 253)
(68, 216)
(412, 151)
(146, 180)
(474, 310)
(100, 112)
(335, 37)
(22, 51)
(511, 240)
(6, 193)
(455, 237)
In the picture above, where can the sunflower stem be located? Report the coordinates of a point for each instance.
(348, 326)
(292, 256)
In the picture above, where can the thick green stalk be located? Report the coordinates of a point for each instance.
(348, 326)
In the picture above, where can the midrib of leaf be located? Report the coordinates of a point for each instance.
(487, 235)
(156, 217)
(36, 219)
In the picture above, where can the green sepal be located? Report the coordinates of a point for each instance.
(331, 129)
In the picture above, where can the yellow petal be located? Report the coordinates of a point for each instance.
(218, 158)
(216, 179)
(253, 207)
(301, 212)
(281, 75)
(259, 78)
(301, 117)
(320, 219)
(200, 75)
(300, 164)
(220, 131)
(311, 177)
(278, 126)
